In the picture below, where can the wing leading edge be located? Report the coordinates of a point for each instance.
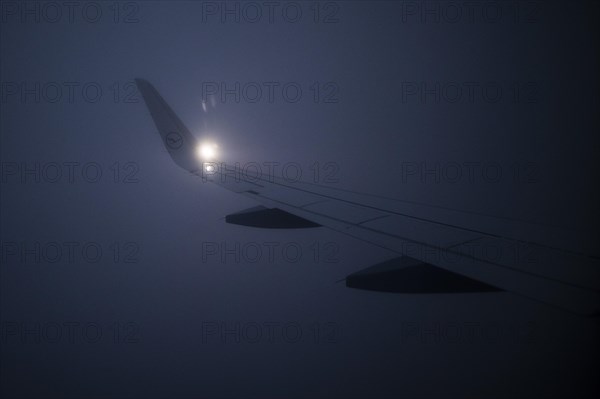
(539, 263)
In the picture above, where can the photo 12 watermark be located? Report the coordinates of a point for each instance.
(69, 12)
(270, 12)
(468, 332)
(270, 252)
(29, 253)
(469, 92)
(269, 332)
(69, 172)
(270, 92)
(68, 92)
(469, 172)
(450, 12)
(318, 172)
(69, 332)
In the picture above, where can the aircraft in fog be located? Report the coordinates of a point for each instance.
(439, 250)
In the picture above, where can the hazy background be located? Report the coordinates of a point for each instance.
(159, 314)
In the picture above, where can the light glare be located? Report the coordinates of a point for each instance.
(207, 151)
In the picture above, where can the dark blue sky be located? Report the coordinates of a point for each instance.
(397, 100)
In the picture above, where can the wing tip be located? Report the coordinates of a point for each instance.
(142, 82)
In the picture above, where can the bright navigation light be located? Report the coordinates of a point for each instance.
(207, 151)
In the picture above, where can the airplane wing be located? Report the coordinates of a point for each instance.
(541, 263)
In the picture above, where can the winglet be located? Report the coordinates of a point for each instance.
(176, 137)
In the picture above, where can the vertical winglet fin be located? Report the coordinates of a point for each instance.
(176, 137)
